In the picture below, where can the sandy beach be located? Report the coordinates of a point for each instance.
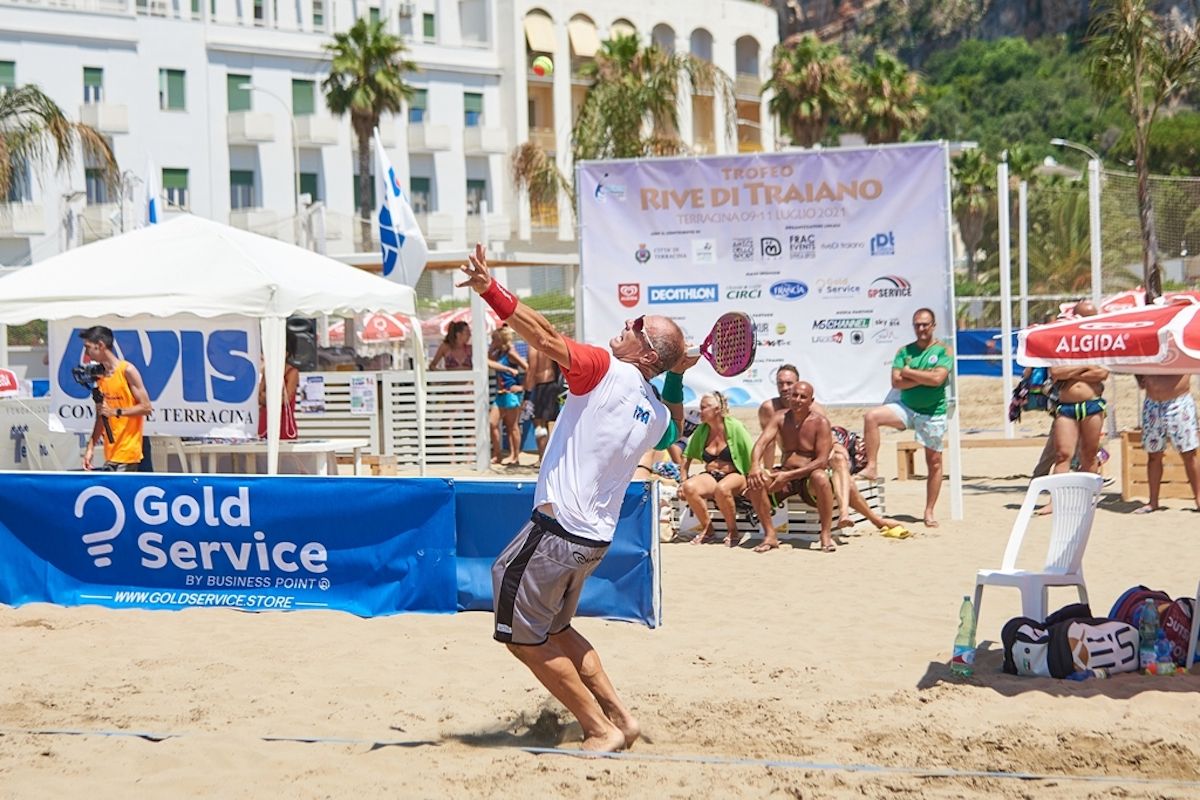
(770, 676)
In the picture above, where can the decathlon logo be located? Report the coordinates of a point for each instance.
(686, 293)
(889, 286)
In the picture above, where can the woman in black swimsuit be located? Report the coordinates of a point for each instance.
(723, 445)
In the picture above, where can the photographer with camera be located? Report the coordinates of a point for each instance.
(121, 402)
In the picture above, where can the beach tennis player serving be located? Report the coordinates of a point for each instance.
(611, 417)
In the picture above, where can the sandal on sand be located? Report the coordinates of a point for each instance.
(896, 532)
(1149, 509)
(766, 547)
(829, 548)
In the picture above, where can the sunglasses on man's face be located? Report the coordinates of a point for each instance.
(639, 327)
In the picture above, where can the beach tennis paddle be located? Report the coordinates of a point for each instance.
(730, 345)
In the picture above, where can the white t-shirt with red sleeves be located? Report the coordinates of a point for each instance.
(612, 416)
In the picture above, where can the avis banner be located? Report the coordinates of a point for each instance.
(830, 252)
(201, 373)
(252, 543)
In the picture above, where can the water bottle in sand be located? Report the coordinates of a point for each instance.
(963, 661)
(1147, 634)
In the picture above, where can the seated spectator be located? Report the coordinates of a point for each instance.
(723, 445)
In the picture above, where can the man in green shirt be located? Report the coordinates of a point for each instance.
(920, 372)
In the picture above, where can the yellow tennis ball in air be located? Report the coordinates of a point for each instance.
(543, 66)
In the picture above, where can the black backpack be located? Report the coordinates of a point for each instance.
(1070, 640)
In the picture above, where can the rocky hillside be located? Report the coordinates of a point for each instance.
(916, 28)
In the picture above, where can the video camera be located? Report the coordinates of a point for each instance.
(85, 375)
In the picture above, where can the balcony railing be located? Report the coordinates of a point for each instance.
(543, 138)
(250, 127)
(20, 220)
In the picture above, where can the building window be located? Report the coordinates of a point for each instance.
(373, 14)
(318, 14)
(358, 195)
(304, 98)
(310, 184)
(237, 98)
(419, 192)
(8, 75)
(175, 187)
(472, 109)
(20, 187)
(260, 12)
(429, 27)
(416, 106)
(241, 189)
(476, 195)
(171, 90)
(97, 188)
(93, 84)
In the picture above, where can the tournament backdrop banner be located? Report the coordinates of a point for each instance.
(830, 252)
(144, 540)
(624, 586)
(201, 373)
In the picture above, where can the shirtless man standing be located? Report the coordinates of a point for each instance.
(807, 440)
(541, 389)
(1169, 412)
(1079, 418)
(785, 378)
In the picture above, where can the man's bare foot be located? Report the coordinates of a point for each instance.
(768, 544)
(628, 726)
(868, 473)
(1148, 509)
(844, 522)
(510, 462)
(888, 522)
(1044, 511)
(704, 535)
(612, 741)
(930, 522)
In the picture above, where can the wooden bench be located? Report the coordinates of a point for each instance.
(1134, 483)
(906, 451)
(803, 522)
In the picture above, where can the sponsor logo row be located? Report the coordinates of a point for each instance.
(884, 287)
(799, 247)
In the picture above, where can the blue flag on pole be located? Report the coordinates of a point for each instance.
(402, 243)
(153, 193)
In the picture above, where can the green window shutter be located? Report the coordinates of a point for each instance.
(171, 89)
(472, 109)
(241, 177)
(308, 185)
(373, 14)
(303, 98)
(238, 98)
(430, 28)
(8, 74)
(318, 13)
(93, 77)
(174, 178)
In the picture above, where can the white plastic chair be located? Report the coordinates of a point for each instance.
(1074, 496)
(163, 448)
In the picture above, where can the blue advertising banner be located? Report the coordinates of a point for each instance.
(366, 546)
(490, 513)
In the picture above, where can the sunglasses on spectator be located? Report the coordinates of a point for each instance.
(639, 327)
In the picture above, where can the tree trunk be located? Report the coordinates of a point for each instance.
(363, 131)
(1151, 270)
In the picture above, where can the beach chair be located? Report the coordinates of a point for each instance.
(1073, 496)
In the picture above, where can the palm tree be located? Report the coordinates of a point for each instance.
(810, 81)
(33, 129)
(629, 111)
(886, 99)
(974, 195)
(1147, 61)
(366, 78)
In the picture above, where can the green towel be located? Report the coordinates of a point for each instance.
(740, 444)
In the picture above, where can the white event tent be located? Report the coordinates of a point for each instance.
(195, 266)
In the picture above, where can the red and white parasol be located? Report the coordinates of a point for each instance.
(377, 328)
(1162, 339)
(436, 326)
(9, 385)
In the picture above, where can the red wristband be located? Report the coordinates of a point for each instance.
(502, 301)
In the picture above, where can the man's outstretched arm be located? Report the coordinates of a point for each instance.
(529, 324)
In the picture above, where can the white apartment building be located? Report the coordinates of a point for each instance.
(222, 99)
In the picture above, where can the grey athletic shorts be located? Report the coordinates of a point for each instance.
(537, 580)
